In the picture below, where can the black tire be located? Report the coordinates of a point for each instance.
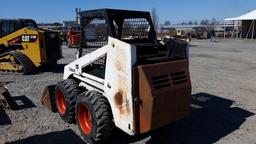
(68, 91)
(27, 65)
(100, 116)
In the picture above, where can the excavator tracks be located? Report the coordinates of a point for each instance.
(16, 62)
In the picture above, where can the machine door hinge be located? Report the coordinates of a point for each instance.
(137, 101)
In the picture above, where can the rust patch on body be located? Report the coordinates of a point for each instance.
(119, 59)
(121, 102)
(119, 98)
(119, 65)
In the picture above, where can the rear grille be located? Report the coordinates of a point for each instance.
(163, 81)
(179, 78)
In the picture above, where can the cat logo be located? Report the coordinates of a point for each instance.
(28, 38)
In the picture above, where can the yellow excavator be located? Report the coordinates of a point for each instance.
(24, 47)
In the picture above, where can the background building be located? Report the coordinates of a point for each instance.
(245, 25)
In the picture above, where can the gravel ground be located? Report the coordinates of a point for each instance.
(224, 97)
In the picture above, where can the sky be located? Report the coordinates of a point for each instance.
(175, 11)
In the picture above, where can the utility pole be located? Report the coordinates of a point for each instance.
(78, 10)
(155, 18)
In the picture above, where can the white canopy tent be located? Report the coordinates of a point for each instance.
(249, 17)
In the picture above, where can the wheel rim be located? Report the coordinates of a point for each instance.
(61, 101)
(85, 119)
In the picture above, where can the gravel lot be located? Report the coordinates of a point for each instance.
(224, 102)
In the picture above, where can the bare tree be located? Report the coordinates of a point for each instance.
(155, 18)
(190, 22)
(204, 22)
(167, 23)
(213, 21)
(78, 10)
(195, 23)
(184, 23)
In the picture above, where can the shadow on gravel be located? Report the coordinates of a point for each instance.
(4, 118)
(6, 82)
(58, 68)
(192, 45)
(23, 102)
(211, 118)
(60, 137)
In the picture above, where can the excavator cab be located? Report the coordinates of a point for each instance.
(9, 26)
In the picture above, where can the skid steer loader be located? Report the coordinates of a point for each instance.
(124, 77)
(23, 46)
